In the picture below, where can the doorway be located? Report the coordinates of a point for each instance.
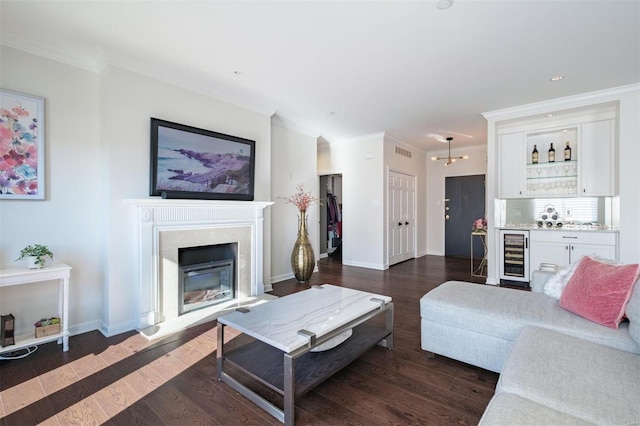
(331, 216)
(464, 203)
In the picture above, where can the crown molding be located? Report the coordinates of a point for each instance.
(176, 79)
(100, 59)
(398, 141)
(285, 123)
(359, 138)
(93, 63)
(568, 102)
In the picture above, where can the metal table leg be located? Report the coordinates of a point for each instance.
(289, 389)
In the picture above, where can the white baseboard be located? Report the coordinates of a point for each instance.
(84, 327)
(282, 277)
(287, 276)
(377, 266)
(109, 330)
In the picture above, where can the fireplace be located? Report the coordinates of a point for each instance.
(169, 235)
(206, 276)
(205, 284)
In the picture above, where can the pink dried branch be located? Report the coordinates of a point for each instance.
(302, 200)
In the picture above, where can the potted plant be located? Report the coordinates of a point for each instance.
(35, 255)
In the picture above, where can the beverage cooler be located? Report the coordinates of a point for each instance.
(514, 257)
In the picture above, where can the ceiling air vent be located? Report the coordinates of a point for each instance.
(403, 152)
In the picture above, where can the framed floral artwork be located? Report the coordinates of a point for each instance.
(22, 174)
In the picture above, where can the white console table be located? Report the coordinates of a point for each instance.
(59, 272)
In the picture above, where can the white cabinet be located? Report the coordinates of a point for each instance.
(548, 252)
(566, 247)
(61, 273)
(590, 172)
(597, 161)
(511, 158)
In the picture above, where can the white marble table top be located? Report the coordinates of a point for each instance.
(318, 310)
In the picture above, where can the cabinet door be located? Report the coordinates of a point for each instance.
(511, 165)
(605, 252)
(597, 156)
(545, 252)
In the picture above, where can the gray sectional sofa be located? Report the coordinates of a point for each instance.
(555, 367)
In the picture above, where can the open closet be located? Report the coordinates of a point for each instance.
(331, 216)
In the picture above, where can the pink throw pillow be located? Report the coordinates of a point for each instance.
(599, 291)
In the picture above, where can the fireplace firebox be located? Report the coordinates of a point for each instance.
(205, 284)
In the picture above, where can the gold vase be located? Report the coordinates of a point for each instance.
(303, 260)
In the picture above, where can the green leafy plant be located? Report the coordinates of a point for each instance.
(47, 321)
(37, 250)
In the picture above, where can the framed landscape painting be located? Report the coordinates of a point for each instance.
(22, 174)
(188, 162)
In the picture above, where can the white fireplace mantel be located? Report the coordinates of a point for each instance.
(161, 227)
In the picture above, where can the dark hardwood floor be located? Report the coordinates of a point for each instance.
(128, 380)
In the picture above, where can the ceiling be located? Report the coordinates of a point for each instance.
(345, 69)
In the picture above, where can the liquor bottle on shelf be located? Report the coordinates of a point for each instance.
(552, 154)
(534, 155)
(567, 152)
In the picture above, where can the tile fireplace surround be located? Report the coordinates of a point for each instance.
(162, 227)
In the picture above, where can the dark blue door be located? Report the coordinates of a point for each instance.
(464, 203)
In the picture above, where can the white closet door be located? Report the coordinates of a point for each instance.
(401, 214)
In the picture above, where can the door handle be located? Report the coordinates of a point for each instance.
(399, 223)
(446, 217)
(406, 223)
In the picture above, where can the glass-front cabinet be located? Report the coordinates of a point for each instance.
(570, 161)
(552, 163)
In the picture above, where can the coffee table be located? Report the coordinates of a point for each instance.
(285, 332)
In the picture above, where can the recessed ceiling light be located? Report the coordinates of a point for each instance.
(444, 4)
(556, 78)
(551, 114)
(331, 113)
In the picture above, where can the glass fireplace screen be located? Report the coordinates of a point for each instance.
(205, 284)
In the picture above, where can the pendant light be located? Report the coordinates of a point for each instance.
(450, 159)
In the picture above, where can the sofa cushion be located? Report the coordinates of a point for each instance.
(555, 285)
(502, 312)
(576, 377)
(633, 313)
(600, 291)
(508, 409)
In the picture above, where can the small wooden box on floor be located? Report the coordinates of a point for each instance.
(47, 330)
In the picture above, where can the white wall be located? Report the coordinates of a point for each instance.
(293, 162)
(97, 156)
(68, 220)
(361, 163)
(629, 194)
(414, 166)
(128, 100)
(476, 164)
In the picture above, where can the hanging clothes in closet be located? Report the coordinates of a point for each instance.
(334, 221)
